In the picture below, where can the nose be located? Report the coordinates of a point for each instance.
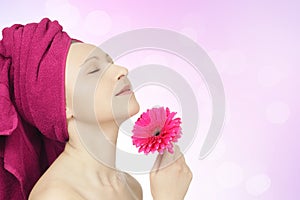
(121, 71)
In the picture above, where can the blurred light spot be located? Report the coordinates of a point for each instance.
(277, 112)
(121, 23)
(229, 175)
(258, 184)
(98, 23)
(67, 14)
(269, 76)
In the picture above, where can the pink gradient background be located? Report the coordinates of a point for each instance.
(255, 46)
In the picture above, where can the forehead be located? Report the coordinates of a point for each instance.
(79, 52)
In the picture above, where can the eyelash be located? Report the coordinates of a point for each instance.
(97, 69)
(94, 71)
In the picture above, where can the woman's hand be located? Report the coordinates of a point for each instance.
(170, 176)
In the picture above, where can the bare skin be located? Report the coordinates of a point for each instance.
(76, 174)
(170, 176)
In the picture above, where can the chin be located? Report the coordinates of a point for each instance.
(134, 106)
(124, 109)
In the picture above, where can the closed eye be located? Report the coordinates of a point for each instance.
(94, 71)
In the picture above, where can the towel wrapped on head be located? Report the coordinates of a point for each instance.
(33, 126)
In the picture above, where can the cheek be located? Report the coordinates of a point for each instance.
(83, 99)
(103, 102)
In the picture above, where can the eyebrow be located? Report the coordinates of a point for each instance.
(109, 58)
(90, 58)
(97, 58)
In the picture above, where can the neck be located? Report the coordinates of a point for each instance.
(93, 148)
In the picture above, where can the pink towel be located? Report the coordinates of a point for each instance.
(33, 127)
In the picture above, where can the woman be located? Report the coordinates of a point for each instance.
(86, 167)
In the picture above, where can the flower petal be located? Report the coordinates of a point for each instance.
(149, 123)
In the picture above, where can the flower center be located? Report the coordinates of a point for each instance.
(157, 133)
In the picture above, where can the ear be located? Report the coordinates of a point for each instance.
(69, 113)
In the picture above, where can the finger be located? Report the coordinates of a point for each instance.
(177, 153)
(178, 156)
(157, 163)
(167, 159)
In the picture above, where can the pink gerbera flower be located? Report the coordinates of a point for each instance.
(156, 130)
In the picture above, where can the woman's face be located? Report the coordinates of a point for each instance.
(94, 86)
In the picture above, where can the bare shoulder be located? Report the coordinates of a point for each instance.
(54, 190)
(135, 185)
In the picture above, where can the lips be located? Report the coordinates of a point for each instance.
(125, 89)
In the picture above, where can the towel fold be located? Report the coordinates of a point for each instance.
(33, 126)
